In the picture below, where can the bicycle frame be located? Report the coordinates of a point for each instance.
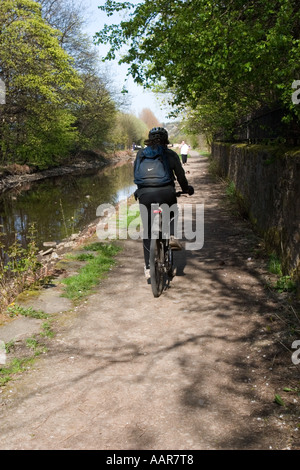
(161, 254)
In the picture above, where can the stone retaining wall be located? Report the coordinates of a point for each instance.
(268, 180)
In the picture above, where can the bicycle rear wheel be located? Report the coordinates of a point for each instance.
(170, 266)
(157, 266)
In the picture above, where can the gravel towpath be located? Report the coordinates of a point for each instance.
(197, 368)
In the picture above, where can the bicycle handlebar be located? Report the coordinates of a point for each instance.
(189, 192)
(179, 193)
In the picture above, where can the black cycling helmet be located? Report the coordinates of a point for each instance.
(158, 132)
(157, 135)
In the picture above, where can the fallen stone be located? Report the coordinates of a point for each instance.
(47, 252)
(50, 244)
(20, 328)
(49, 301)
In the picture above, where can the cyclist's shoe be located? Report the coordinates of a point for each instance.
(147, 273)
(175, 243)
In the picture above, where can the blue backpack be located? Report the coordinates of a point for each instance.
(152, 168)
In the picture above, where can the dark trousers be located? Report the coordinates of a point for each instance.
(184, 158)
(160, 196)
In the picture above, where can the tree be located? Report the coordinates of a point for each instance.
(36, 125)
(226, 58)
(128, 129)
(95, 114)
(68, 17)
(148, 117)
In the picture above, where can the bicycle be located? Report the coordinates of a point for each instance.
(161, 253)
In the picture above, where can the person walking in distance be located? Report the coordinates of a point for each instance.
(184, 150)
(155, 170)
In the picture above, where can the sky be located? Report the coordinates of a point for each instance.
(138, 97)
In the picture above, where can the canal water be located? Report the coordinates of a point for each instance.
(61, 206)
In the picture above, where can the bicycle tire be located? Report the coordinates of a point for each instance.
(170, 264)
(156, 266)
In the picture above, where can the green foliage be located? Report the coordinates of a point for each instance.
(15, 309)
(220, 59)
(15, 367)
(95, 109)
(95, 114)
(236, 201)
(18, 267)
(274, 265)
(81, 256)
(34, 345)
(49, 138)
(56, 101)
(278, 400)
(47, 330)
(36, 124)
(127, 129)
(285, 284)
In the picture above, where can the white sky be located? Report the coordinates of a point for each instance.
(138, 98)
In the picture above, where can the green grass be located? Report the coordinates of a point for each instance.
(81, 284)
(15, 309)
(80, 257)
(231, 191)
(283, 283)
(15, 367)
(274, 265)
(204, 153)
(35, 346)
(76, 287)
(19, 365)
(132, 215)
(47, 330)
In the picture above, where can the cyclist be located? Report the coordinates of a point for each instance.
(160, 191)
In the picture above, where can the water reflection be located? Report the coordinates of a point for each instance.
(61, 206)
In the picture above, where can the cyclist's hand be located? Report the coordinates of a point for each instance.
(190, 190)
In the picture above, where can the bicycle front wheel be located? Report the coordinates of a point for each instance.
(157, 267)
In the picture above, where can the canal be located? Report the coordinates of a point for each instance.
(61, 206)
